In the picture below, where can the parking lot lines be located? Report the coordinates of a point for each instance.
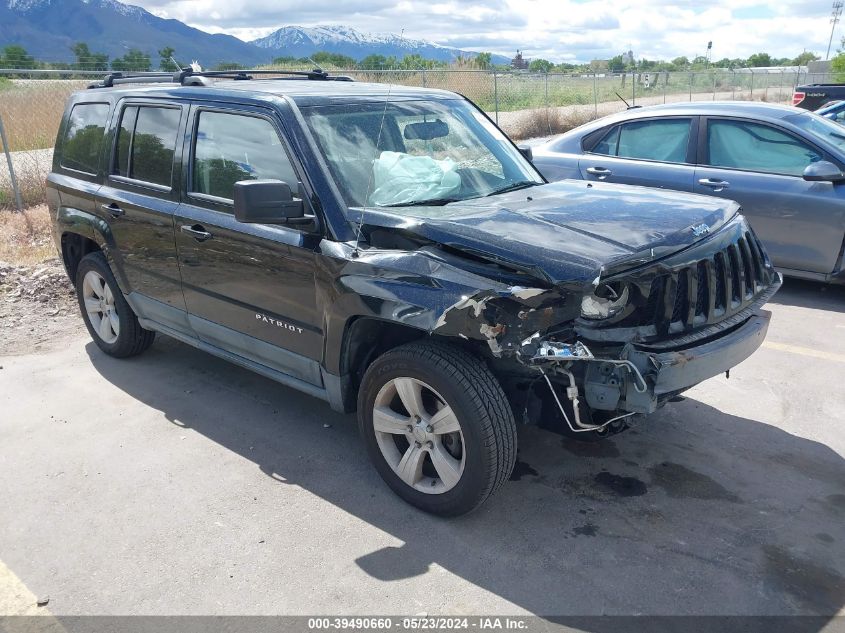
(804, 351)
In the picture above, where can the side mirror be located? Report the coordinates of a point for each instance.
(267, 202)
(823, 171)
(527, 153)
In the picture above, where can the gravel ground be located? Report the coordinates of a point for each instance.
(38, 309)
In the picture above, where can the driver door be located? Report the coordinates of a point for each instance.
(249, 288)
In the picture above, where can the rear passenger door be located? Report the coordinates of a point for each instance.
(139, 197)
(648, 152)
(249, 288)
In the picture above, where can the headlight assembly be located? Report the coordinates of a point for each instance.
(607, 301)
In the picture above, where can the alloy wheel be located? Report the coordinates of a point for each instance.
(419, 435)
(100, 307)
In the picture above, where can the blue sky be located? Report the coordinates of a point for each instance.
(559, 30)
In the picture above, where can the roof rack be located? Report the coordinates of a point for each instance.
(190, 77)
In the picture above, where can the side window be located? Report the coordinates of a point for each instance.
(754, 147)
(83, 139)
(146, 143)
(231, 147)
(607, 146)
(664, 140)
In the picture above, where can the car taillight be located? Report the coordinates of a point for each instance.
(798, 97)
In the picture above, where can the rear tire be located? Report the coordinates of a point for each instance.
(437, 426)
(109, 319)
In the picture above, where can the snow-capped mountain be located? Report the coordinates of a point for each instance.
(48, 28)
(298, 41)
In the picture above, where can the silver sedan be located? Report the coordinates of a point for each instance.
(783, 165)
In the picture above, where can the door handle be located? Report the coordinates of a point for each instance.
(112, 209)
(196, 231)
(599, 172)
(716, 185)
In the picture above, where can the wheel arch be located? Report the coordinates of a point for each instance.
(75, 246)
(81, 233)
(365, 338)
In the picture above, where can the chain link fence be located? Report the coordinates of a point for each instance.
(524, 105)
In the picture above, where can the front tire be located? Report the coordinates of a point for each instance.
(109, 319)
(437, 426)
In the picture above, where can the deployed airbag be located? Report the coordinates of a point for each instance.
(400, 178)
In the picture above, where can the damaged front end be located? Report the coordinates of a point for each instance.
(598, 353)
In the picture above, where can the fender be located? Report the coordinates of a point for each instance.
(418, 290)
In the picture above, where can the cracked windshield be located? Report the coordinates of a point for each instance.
(416, 153)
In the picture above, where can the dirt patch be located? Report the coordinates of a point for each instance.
(38, 309)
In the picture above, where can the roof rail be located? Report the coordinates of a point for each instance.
(190, 77)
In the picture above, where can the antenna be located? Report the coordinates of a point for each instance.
(623, 99)
(175, 63)
(372, 171)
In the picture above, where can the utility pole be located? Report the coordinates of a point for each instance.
(835, 13)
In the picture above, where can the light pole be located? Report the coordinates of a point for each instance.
(836, 11)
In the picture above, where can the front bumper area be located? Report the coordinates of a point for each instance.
(639, 379)
(613, 386)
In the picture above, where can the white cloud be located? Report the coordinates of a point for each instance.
(554, 29)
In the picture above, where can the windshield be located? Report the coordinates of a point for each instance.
(410, 153)
(819, 127)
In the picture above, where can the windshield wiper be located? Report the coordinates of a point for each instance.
(433, 202)
(522, 184)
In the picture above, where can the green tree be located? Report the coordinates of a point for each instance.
(284, 61)
(804, 58)
(616, 64)
(166, 62)
(758, 60)
(86, 60)
(324, 58)
(417, 62)
(680, 63)
(373, 62)
(133, 60)
(484, 60)
(837, 67)
(540, 65)
(15, 56)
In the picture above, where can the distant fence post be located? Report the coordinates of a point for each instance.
(595, 96)
(665, 85)
(751, 70)
(691, 77)
(633, 88)
(546, 77)
(7, 151)
(714, 86)
(496, 94)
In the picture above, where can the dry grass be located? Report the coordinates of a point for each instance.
(25, 238)
(32, 110)
(546, 122)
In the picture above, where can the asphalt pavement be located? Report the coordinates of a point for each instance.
(176, 483)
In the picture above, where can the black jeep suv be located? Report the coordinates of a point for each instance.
(388, 249)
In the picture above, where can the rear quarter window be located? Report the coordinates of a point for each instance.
(83, 139)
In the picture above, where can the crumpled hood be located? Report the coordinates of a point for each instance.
(566, 231)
